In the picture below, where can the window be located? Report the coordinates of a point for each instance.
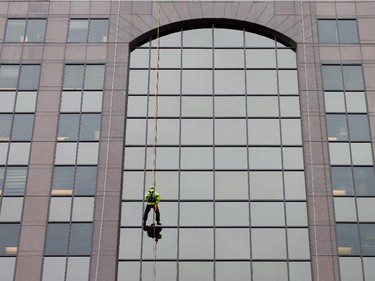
(12, 180)
(83, 77)
(9, 234)
(352, 127)
(229, 157)
(88, 30)
(69, 239)
(77, 180)
(338, 31)
(81, 127)
(21, 77)
(25, 30)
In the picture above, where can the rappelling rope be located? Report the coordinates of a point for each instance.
(155, 139)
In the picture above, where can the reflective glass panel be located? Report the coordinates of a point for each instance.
(98, 30)
(359, 127)
(364, 179)
(327, 31)
(9, 238)
(348, 31)
(332, 79)
(29, 77)
(337, 127)
(347, 239)
(342, 181)
(35, 30)
(9, 76)
(15, 31)
(78, 30)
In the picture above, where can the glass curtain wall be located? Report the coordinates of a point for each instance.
(229, 160)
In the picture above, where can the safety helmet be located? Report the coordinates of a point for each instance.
(152, 188)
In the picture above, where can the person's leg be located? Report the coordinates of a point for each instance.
(147, 210)
(157, 213)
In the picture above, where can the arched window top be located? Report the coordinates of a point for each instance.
(215, 36)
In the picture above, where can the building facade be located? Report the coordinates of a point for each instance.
(254, 120)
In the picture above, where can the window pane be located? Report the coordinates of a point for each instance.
(196, 243)
(9, 237)
(59, 209)
(353, 77)
(350, 268)
(235, 271)
(168, 58)
(35, 30)
(347, 239)
(57, 239)
(225, 58)
(196, 214)
(268, 271)
(63, 180)
(78, 269)
(289, 107)
(5, 126)
(228, 37)
(267, 214)
(364, 179)
(98, 30)
(78, 30)
(130, 243)
(232, 243)
(327, 31)
(262, 106)
(196, 271)
(295, 185)
(196, 58)
(92, 101)
(359, 127)
(68, 127)
(11, 209)
(85, 180)
(65, 153)
(286, 58)
(19, 153)
(339, 153)
(7, 266)
(7, 101)
(337, 127)
(260, 58)
(366, 209)
(264, 131)
(266, 185)
(196, 185)
(229, 82)
(230, 131)
(25, 102)
(22, 127)
(29, 77)
(80, 239)
(196, 82)
(2, 176)
(238, 182)
(15, 181)
(168, 238)
(261, 82)
(296, 213)
(335, 101)
(197, 37)
(15, 30)
(196, 106)
(367, 239)
(196, 158)
(265, 158)
(256, 40)
(94, 77)
(73, 76)
(288, 82)
(9, 76)
(345, 210)
(90, 127)
(348, 32)
(231, 158)
(342, 181)
(71, 102)
(332, 79)
(83, 209)
(230, 106)
(298, 244)
(232, 213)
(88, 153)
(361, 154)
(356, 102)
(291, 131)
(268, 243)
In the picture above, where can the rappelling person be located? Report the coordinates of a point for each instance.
(152, 199)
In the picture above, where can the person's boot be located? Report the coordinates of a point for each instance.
(158, 223)
(144, 223)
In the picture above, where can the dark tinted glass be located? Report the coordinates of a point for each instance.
(337, 127)
(359, 128)
(347, 239)
(68, 127)
(29, 77)
(73, 76)
(80, 239)
(353, 77)
(85, 181)
(332, 79)
(57, 239)
(63, 178)
(342, 181)
(22, 127)
(78, 30)
(94, 77)
(9, 76)
(364, 179)
(90, 127)
(367, 239)
(9, 237)
(5, 126)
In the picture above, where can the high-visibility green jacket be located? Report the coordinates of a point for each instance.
(152, 197)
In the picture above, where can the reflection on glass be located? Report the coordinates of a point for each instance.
(327, 31)
(78, 30)
(98, 30)
(9, 234)
(15, 30)
(35, 30)
(348, 31)
(364, 179)
(337, 127)
(367, 239)
(359, 127)
(342, 181)
(9, 76)
(332, 79)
